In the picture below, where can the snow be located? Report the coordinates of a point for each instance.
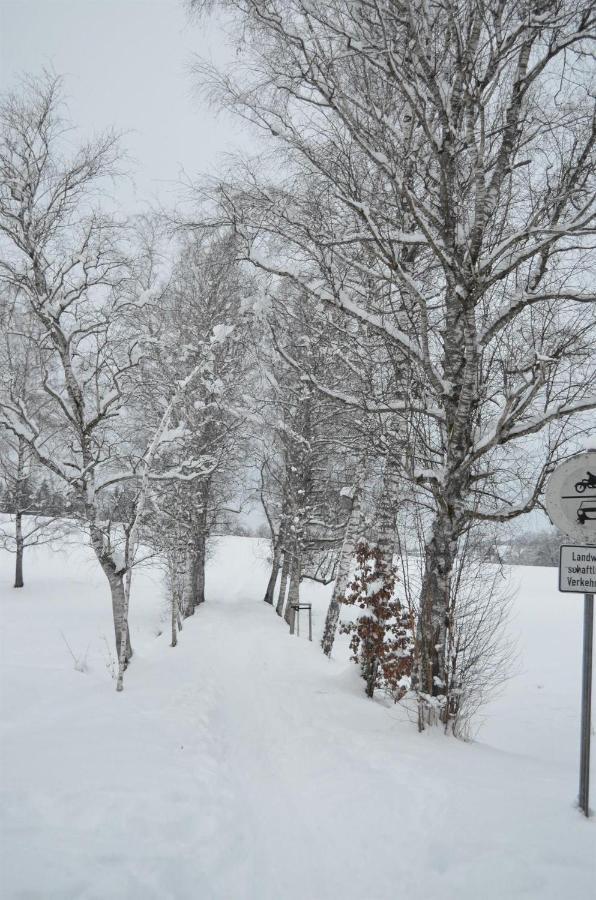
(244, 765)
(169, 435)
(221, 333)
(423, 474)
(147, 296)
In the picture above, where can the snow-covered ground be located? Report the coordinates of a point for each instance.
(243, 765)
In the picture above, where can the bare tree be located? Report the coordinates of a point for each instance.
(451, 147)
(36, 508)
(198, 323)
(63, 258)
(309, 454)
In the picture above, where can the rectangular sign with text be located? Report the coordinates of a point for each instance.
(577, 570)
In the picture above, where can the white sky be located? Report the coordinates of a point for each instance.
(126, 63)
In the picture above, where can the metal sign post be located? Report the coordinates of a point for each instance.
(584, 762)
(577, 572)
(571, 504)
(297, 607)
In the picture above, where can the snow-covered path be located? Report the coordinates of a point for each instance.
(245, 766)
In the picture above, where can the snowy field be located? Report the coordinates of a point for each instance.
(243, 765)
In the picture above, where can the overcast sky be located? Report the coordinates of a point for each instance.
(126, 63)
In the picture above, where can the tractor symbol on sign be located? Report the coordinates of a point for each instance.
(589, 482)
(586, 510)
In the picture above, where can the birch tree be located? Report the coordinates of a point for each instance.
(456, 142)
(310, 455)
(198, 323)
(63, 257)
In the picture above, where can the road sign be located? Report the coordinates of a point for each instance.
(570, 497)
(570, 501)
(577, 570)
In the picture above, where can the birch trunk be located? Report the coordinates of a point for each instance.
(294, 590)
(283, 584)
(116, 581)
(433, 624)
(348, 547)
(370, 676)
(18, 575)
(278, 550)
(386, 524)
(188, 596)
(200, 559)
(177, 575)
(173, 618)
(194, 591)
(275, 567)
(20, 542)
(119, 613)
(460, 366)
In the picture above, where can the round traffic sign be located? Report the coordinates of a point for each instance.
(570, 497)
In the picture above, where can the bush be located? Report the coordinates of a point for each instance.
(382, 637)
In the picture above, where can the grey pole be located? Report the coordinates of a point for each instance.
(584, 764)
(310, 623)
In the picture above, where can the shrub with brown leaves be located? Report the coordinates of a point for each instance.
(382, 637)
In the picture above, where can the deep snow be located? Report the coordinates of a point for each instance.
(243, 765)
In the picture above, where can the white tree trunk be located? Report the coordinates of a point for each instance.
(20, 546)
(294, 589)
(20, 542)
(174, 617)
(275, 567)
(283, 584)
(346, 555)
(120, 617)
